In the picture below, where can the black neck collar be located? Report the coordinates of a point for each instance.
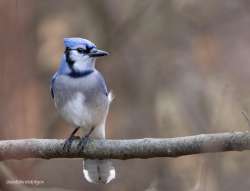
(75, 74)
(68, 59)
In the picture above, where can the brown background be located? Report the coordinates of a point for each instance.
(177, 67)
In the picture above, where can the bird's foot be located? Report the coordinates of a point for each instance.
(68, 142)
(83, 142)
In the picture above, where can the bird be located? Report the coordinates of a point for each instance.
(81, 97)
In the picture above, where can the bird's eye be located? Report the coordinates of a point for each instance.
(80, 50)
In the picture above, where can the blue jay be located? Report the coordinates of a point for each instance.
(81, 97)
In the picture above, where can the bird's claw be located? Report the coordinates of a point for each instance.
(83, 142)
(68, 143)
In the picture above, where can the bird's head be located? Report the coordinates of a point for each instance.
(81, 54)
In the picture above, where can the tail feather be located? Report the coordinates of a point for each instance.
(98, 171)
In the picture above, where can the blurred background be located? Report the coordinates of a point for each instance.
(177, 68)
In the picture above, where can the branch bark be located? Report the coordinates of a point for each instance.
(126, 149)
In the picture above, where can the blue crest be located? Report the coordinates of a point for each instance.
(74, 42)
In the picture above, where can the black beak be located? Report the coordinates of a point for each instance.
(97, 53)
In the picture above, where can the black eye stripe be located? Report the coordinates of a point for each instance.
(80, 50)
(89, 48)
(67, 50)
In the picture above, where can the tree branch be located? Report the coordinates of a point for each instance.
(126, 149)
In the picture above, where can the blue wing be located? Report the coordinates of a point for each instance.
(52, 84)
(63, 69)
(102, 84)
(52, 92)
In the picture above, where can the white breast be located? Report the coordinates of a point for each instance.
(81, 101)
(75, 110)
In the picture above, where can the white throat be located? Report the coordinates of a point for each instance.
(84, 64)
